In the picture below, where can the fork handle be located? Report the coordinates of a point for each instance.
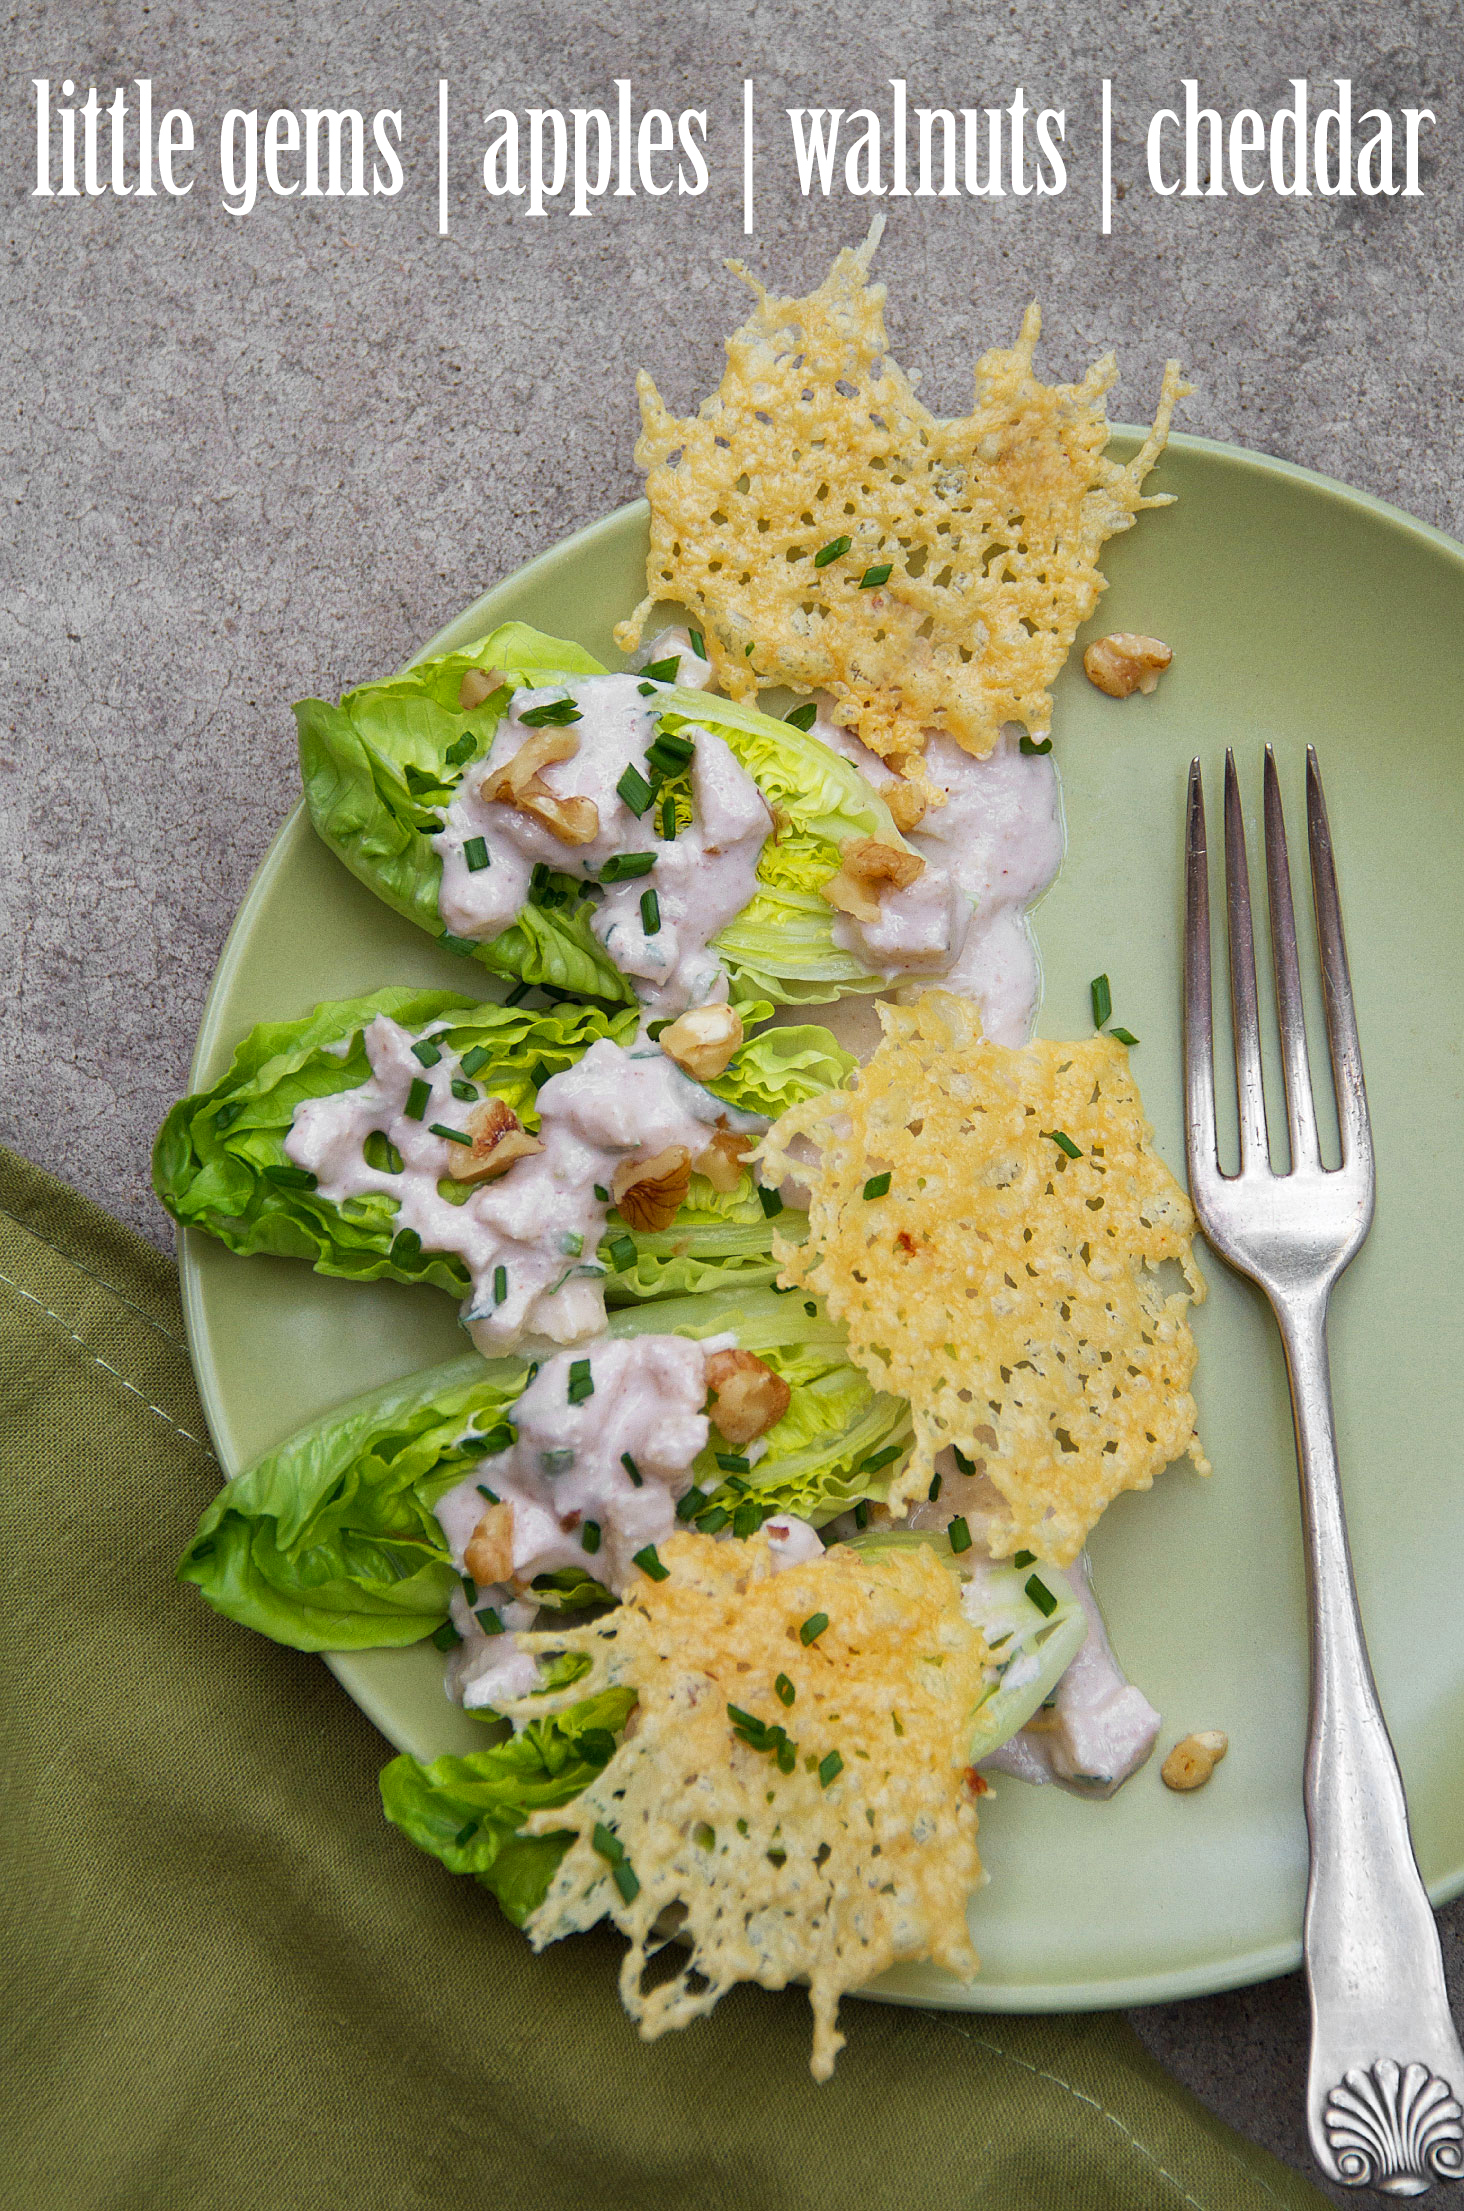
(1386, 2081)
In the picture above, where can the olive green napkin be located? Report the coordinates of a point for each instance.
(234, 1986)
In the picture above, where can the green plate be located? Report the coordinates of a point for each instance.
(1298, 612)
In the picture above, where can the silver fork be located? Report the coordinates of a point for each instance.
(1386, 2080)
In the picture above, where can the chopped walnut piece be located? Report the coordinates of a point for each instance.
(747, 1397)
(867, 869)
(519, 783)
(703, 1041)
(1191, 1763)
(499, 1138)
(1125, 663)
(651, 1192)
(907, 806)
(722, 1161)
(477, 685)
(489, 1555)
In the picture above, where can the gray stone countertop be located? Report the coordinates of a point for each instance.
(251, 459)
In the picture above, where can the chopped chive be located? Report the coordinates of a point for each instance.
(500, 1284)
(417, 1098)
(405, 1245)
(959, 1533)
(811, 1309)
(1041, 1596)
(829, 1769)
(654, 1029)
(465, 1835)
(737, 1485)
(475, 853)
(675, 747)
(877, 1186)
(665, 759)
(861, 1513)
(484, 1491)
(538, 1074)
(803, 717)
(649, 1563)
(461, 749)
(557, 1461)
(590, 1536)
(698, 644)
(625, 1880)
(621, 867)
(749, 649)
(450, 1136)
(446, 1637)
(572, 1243)
(771, 1201)
(813, 1628)
(1029, 745)
(488, 1620)
(558, 714)
(732, 1462)
(836, 548)
(747, 1519)
(650, 907)
(581, 1381)
(635, 791)
(690, 1505)
(426, 1051)
(1063, 1141)
(461, 948)
(622, 1252)
(1124, 1036)
(608, 1844)
(668, 819)
(602, 1193)
(1102, 998)
(646, 690)
(784, 1690)
(713, 1522)
(663, 671)
(477, 1058)
(290, 1178)
(470, 1589)
(631, 1468)
(491, 1444)
(466, 1091)
(1024, 1558)
(935, 1485)
(787, 1756)
(877, 1459)
(967, 1466)
(874, 577)
(517, 996)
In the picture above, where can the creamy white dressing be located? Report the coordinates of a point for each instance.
(1099, 1728)
(701, 878)
(531, 1234)
(996, 843)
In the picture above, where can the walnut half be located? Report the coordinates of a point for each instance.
(722, 1160)
(651, 1192)
(499, 1138)
(867, 869)
(747, 1397)
(702, 1042)
(489, 1555)
(519, 783)
(1125, 663)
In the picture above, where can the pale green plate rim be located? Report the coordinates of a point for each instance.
(1194, 1979)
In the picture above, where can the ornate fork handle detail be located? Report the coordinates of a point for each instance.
(1386, 2081)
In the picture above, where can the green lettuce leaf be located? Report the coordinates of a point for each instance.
(468, 1811)
(214, 1154)
(1031, 1649)
(380, 768)
(330, 1542)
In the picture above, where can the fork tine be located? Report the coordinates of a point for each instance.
(1352, 1114)
(1301, 1119)
(1199, 1042)
(1250, 1095)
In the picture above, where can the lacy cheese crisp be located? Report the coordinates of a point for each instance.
(793, 1781)
(826, 530)
(989, 1225)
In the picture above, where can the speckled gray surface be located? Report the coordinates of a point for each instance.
(250, 459)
